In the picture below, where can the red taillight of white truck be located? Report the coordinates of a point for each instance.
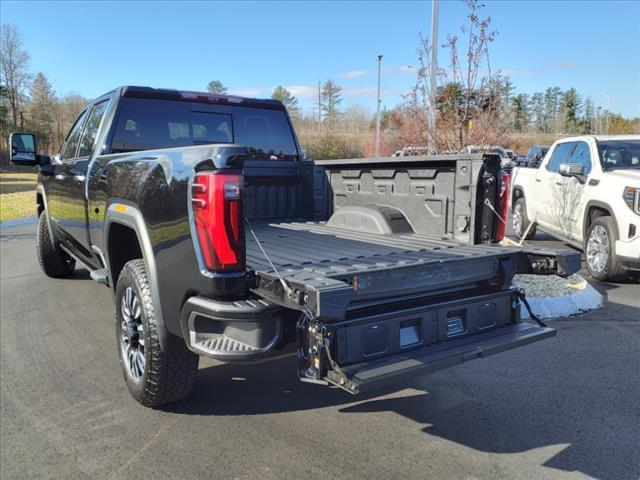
(216, 201)
(503, 205)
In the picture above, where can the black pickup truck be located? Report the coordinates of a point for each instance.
(218, 237)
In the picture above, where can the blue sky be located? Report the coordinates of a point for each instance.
(90, 48)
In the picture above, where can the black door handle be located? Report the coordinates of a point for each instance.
(559, 183)
(538, 180)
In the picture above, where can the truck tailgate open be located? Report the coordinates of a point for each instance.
(330, 269)
(380, 309)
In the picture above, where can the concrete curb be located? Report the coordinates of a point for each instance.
(583, 300)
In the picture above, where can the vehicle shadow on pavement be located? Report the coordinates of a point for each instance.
(588, 426)
(259, 389)
(497, 427)
(594, 426)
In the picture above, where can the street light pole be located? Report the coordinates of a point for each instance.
(606, 132)
(378, 111)
(433, 71)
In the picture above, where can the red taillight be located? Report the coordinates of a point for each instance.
(216, 200)
(503, 205)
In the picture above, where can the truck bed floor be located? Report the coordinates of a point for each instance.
(314, 247)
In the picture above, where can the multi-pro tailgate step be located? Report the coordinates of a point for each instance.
(401, 368)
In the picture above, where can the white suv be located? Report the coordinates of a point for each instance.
(587, 193)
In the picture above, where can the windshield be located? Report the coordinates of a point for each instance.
(149, 124)
(619, 154)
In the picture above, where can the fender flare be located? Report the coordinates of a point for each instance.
(599, 204)
(131, 217)
(40, 189)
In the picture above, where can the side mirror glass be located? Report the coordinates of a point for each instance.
(23, 149)
(571, 169)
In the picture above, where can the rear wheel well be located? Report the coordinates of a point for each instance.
(39, 203)
(123, 245)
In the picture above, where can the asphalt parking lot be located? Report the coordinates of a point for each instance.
(563, 408)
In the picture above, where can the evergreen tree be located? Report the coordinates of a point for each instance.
(216, 86)
(330, 99)
(589, 116)
(41, 109)
(506, 92)
(571, 107)
(537, 109)
(288, 99)
(520, 105)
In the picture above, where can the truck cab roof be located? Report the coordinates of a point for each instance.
(599, 138)
(195, 96)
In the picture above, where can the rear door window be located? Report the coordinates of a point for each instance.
(71, 144)
(91, 129)
(561, 154)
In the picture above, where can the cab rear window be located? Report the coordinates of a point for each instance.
(149, 124)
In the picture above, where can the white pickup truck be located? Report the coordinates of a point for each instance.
(586, 192)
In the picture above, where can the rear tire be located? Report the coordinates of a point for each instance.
(154, 376)
(600, 250)
(520, 221)
(54, 262)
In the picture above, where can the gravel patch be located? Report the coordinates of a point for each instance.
(551, 296)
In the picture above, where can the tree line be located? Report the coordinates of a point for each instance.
(28, 101)
(469, 106)
(554, 111)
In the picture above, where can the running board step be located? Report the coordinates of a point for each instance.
(101, 276)
(401, 368)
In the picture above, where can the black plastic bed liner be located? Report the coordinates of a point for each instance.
(333, 250)
(326, 269)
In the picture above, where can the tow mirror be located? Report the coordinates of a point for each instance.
(23, 149)
(571, 169)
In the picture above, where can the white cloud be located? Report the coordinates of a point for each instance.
(249, 92)
(303, 91)
(354, 74)
(310, 92)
